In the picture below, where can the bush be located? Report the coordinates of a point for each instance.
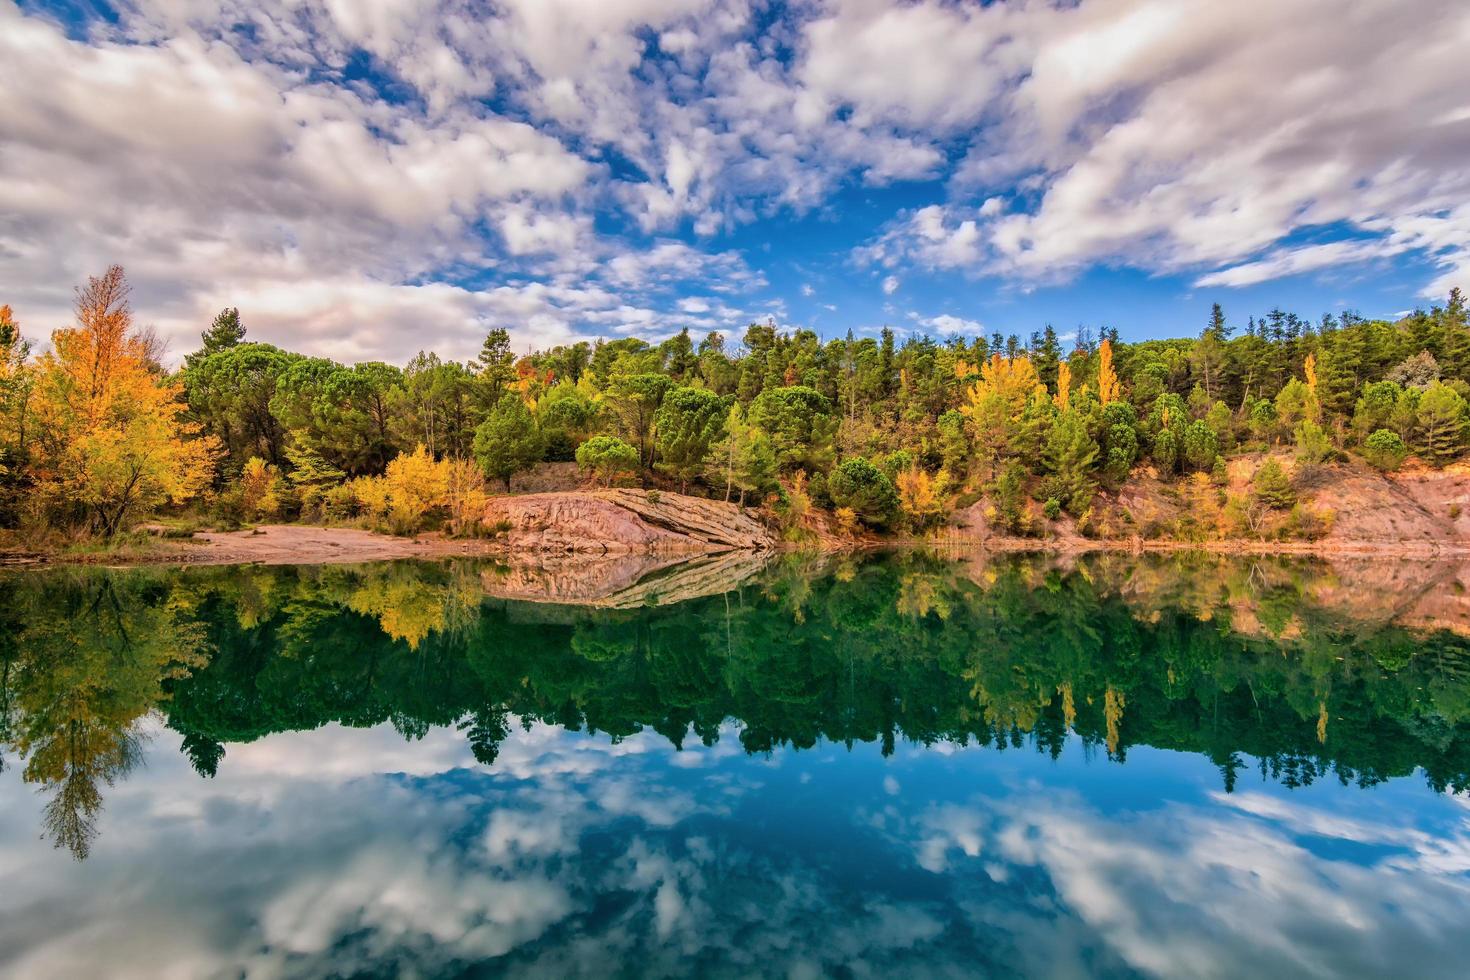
(260, 486)
(861, 486)
(607, 457)
(1384, 450)
(846, 520)
(1052, 508)
(1272, 487)
(1310, 525)
(1312, 443)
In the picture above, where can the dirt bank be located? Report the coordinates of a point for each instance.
(1416, 513)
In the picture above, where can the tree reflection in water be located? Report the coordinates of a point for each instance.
(1277, 661)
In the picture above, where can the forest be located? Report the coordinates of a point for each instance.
(878, 434)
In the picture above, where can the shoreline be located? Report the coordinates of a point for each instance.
(305, 544)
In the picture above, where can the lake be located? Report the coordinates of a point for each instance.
(895, 765)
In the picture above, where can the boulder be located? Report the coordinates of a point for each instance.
(624, 522)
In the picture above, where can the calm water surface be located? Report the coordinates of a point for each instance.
(902, 766)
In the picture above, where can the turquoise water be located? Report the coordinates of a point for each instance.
(902, 766)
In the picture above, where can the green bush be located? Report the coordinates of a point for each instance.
(1272, 486)
(607, 457)
(859, 485)
(1384, 450)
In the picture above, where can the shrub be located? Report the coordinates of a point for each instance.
(1312, 444)
(846, 520)
(858, 484)
(1272, 487)
(260, 486)
(1384, 450)
(921, 496)
(607, 457)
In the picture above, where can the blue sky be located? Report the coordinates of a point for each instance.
(367, 179)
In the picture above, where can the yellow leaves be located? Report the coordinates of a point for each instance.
(1108, 389)
(115, 437)
(846, 520)
(1011, 380)
(408, 608)
(1113, 704)
(1069, 705)
(1063, 397)
(1309, 370)
(464, 495)
(415, 484)
(963, 369)
(260, 485)
(920, 495)
(12, 352)
(920, 594)
(371, 494)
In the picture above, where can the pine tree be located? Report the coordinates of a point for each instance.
(1441, 423)
(1069, 457)
(497, 365)
(225, 331)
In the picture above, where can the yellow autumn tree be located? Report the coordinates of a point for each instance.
(1108, 389)
(1063, 397)
(15, 391)
(921, 497)
(994, 406)
(1011, 379)
(260, 485)
(113, 435)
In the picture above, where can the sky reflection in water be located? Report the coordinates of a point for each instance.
(356, 850)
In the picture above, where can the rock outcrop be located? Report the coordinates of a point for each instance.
(628, 582)
(623, 522)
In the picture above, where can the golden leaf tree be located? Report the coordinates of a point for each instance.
(921, 496)
(1063, 397)
(1108, 389)
(1012, 379)
(115, 437)
(995, 404)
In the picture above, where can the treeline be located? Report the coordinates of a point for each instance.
(881, 433)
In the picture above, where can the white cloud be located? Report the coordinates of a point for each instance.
(1171, 136)
(890, 285)
(235, 149)
(948, 324)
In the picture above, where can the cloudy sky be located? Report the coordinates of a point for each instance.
(364, 178)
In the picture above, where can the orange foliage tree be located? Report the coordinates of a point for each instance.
(113, 434)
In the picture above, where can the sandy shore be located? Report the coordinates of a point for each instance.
(271, 544)
(294, 544)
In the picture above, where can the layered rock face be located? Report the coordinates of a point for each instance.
(624, 522)
(625, 582)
